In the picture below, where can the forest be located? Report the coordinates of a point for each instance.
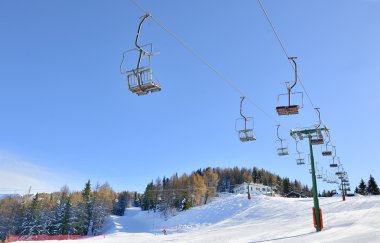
(84, 212)
(60, 213)
(177, 193)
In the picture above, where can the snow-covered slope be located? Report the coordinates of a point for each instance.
(234, 218)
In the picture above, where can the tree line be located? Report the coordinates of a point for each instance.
(62, 213)
(370, 188)
(177, 193)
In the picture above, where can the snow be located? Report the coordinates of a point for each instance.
(234, 218)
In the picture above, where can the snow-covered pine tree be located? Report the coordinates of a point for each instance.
(67, 222)
(30, 224)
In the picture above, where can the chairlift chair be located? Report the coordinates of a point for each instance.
(299, 160)
(328, 148)
(282, 145)
(319, 171)
(290, 109)
(334, 162)
(245, 126)
(316, 141)
(140, 79)
(318, 137)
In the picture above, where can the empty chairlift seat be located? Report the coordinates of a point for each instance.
(246, 135)
(326, 153)
(317, 138)
(300, 161)
(245, 126)
(146, 83)
(282, 151)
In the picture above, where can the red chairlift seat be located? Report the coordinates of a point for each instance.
(316, 141)
(287, 110)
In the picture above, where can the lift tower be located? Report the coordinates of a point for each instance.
(308, 133)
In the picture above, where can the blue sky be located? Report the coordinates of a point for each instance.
(67, 115)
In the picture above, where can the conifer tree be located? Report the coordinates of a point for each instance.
(67, 219)
(286, 188)
(362, 187)
(30, 224)
(357, 190)
(87, 207)
(372, 187)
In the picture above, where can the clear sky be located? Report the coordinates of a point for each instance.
(67, 114)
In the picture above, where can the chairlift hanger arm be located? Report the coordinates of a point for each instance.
(147, 15)
(241, 108)
(295, 73)
(297, 148)
(319, 118)
(141, 50)
(278, 126)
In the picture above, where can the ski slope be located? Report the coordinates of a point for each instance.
(234, 218)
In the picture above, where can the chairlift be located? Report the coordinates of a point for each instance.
(333, 163)
(140, 79)
(244, 126)
(318, 137)
(290, 109)
(282, 145)
(299, 160)
(328, 148)
(319, 172)
(339, 173)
